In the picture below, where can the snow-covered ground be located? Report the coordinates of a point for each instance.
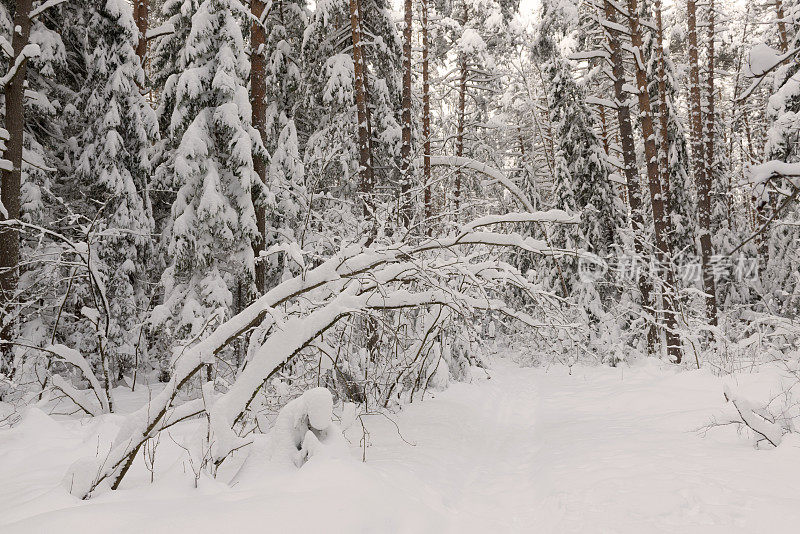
(528, 450)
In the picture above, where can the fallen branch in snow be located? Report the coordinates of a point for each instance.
(755, 419)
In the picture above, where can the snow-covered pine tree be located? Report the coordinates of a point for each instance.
(581, 173)
(284, 27)
(113, 160)
(208, 163)
(326, 115)
(780, 277)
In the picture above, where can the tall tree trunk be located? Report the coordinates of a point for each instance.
(629, 158)
(782, 35)
(698, 164)
(663, 109)
(405, 150)
(140, 15)
(660, 222)
(704, 200)
(366, 177)
(11, 181)
(258, 104)
(462, 106)
(366, 173)
(426, 121)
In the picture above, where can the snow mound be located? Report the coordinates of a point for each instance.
(304, 429)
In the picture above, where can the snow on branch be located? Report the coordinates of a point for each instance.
(30, 50)
(75, 358)
(44, 7)
(754, 420)
(496, 177)
(762, 61)
(549, 216)
(605, 102)
(160, 31)
(762, 173)
(79, 397)
(589, 54)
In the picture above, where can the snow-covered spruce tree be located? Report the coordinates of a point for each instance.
(581, 180)
(113, 161)
(581, 168)
(208, 162)
(42, 280)
(284, 27)
(780, 277)
(325, 117)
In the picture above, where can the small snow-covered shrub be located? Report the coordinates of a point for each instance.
(303, 429)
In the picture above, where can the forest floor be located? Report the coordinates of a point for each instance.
(594, 449)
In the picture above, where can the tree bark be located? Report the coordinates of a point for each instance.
(699, 162)
(11, 180)
(604, 127)
(405, 150)
(366, 176)
(663, 109)
(140, 15)
(258, 103)
(426, 121)
(783, 37)
(704, 200)
(629, 159)
(462, 105)
(660, 222)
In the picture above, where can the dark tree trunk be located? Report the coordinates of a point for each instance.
(140, 15)
(258, 102)
(366, 177)
(405, 150)
(663, 110)
(426, 121)
(462, 105)
(782, 35)
(699, 164)
(704, 200)
(660, 221)
(11, 181)
(629, 159)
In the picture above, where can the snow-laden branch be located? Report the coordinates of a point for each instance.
(763, 172)
(75, 358)
(44, 7)
(79, 397)
(762, 61)
(343, 273)
(589, 54)
(30, 50)
(464, 163)
(299, 332)
(165, 29)
(755, 421)
(5, 46)
(550, 216)
(496, 175)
